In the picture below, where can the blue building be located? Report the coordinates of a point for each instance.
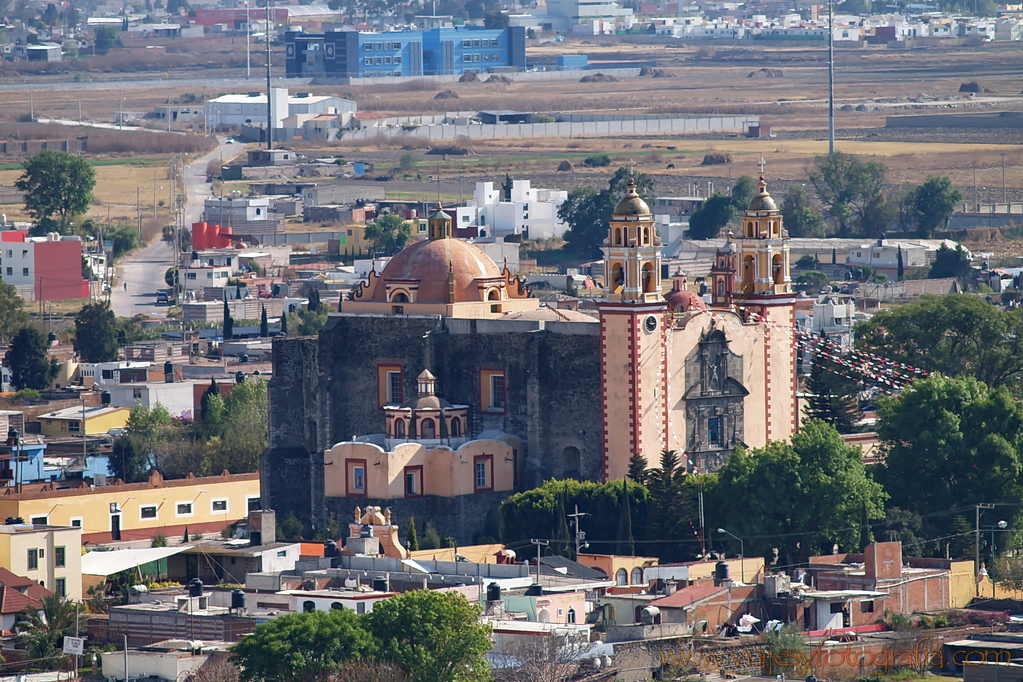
(432, 52)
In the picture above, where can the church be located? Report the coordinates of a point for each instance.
(362, 410)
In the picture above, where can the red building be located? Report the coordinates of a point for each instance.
(46, 268)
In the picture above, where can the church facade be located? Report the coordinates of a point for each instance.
(573, 395)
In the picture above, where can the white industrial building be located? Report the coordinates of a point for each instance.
(250, 109)
(530, 212)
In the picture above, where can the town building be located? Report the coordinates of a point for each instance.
(49, 555)
(250, 109)
(167, 661)
(43, 268)
(136, 511)
(657, 367)
(437, 51)
(17, 595)
(241, 215)
(515, 208)
(78, 420)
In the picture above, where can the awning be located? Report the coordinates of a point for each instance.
(108, 563)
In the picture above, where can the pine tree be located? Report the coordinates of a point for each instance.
(625, 545)
(637, 468)
(832, 397)
(228, 322)
(284, 324)
(834, 256)
(314, 300)
(902, 267)
(205, 400)
(264, 324)
(562, 539)
(412, 538)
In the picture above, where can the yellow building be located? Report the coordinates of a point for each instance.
(49, 555)
(136, 511)
(96, 419)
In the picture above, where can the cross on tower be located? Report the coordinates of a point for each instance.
(762, 164)
(632, 168)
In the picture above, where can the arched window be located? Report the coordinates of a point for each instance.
(778, 272)
(399, 428)
(748, 273)
(646, 236)
(622, 577)
(456, 427)
(618, 236)
(544, 616)
(428, 429)
(625, 234)
(399, 297)
(483, 234)
(648, 278)
(617, 278)
(570, 618)
(308, 606)
(493, 295)
(337, 606)
(637, 576)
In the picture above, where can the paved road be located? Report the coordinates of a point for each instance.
(143, 271)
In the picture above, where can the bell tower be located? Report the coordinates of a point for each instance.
(722, 273)
(439, 224)
(765, 297)
(633, 337)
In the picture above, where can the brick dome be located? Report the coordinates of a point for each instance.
(682, 301)
(429, 262)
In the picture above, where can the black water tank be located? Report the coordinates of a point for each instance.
(721, 572)
(244, 357)
(239, 377)
(493, 592)
(330, 549)
(168, 372)
(194, 587)
(104, 397)
(380, 584)
(534, 590)
(238, 599)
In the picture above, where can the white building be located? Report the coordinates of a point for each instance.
(102, 373)
(178, 397)
(196, 277)
(300, 601)
(588, 16)
(243, 214)
(251, 109)
(834, 317)
(883, 255)
(532, 213)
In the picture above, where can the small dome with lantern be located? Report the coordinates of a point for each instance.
(632, 204)
(762, 200)
(427, 416)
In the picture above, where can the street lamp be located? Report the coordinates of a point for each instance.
(742, 553)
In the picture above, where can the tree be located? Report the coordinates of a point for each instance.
(57, 187)
(950, 263)
(637, 468)
(497, 20)
(743, 191)
(587, 211)
(956, 335)
(800, 218)
(671, 497)
(934, 202)
(707, 221)
(264, 324)
(951, 443)
(553, 658)
(389, 233)
(235, 429)
(849, 189)
(284, 324)
(314, 300)
(177, 6)
(42, 631)
(106, 37)
(96, 333)
(814, 281)
(30, 361)
(800, 497)
(833, 397)
(146, 433)
(412, 538)
(228, 322)
(625, 546)
(901, 266)
(432, 636)
(12, 312)
(302, 646)
(204, 401)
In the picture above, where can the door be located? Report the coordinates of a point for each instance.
(115, 527)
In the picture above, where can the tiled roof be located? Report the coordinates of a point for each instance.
(686, 596)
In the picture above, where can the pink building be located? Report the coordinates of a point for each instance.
(47, 268)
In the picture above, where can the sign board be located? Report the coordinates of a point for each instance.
(74, 646)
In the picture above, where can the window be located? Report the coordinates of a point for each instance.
(360, 608)
(10, 272)
(148, 511)
(428, 429)
(497, 391)
(380, 46)
(836, 607)
(866, 607)
(24, 272)
(379, 60)
(395, 388)
(184, 508)
(456, 428)
(209, 275)
(714, 430)
(252, 503)
(74, 427)
(282, 553)
(189, 275)
(476, 43)
(33, 559)
(413, 481)
(76, 522)
(387, 60)
(219, 505)
(308, 606)
(60, 587)
(483, 473)
(570, 618)
(39, 520)
(136, 393)
(359, 479)
(486, 57)
(369, 46)
(337, 606)
(367, 61)
(465, 43)
(637, 576)
(397, 60)
(621, 577)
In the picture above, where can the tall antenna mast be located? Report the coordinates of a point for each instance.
(831, 77)
(269, 91)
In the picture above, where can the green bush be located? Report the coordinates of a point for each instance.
(27, 394)
(597, 160)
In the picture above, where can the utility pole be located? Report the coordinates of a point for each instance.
(831, 77)
(539, 544)
(976, 543)
(580, 535)
(1004, 199)
(269, 91)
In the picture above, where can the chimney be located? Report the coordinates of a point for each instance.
(262, 524)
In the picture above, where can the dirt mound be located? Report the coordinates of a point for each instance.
(647, 71)
(765, 73)
(453, 150)
(565, 166)
(973, 86)
(498, 78)
(598, 78)
(447, 94)
(716, 159)
(469, 77)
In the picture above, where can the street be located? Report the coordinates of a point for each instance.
(143, 271)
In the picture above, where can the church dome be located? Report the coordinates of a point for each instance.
(431, 262)
(682, 301)
(762, 201)
(632, 204)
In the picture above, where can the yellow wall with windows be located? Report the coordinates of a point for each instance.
(94, 424)
(216, 501)
(57, 554)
